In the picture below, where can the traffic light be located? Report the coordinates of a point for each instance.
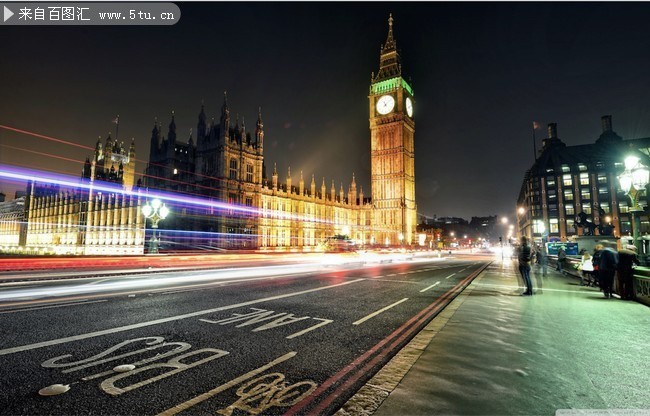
(500, 240)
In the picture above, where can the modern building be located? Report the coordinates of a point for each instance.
(571, 190)
(226, 164)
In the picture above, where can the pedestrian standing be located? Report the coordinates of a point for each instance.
(595, 260)
(627, 258)
(587, 268)
(524, 256)
(607, 269)
(561, 258)
(542, 259)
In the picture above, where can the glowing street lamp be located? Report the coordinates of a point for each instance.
(154, 211)
(634, 180)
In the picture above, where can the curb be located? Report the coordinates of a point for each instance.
(371, 396)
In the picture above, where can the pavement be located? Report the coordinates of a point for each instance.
(495, 352)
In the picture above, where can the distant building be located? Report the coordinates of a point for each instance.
(566, 181)
(54, 219)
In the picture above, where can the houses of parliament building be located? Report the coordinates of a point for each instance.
(226, 165)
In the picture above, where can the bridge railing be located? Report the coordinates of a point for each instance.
(641, 277)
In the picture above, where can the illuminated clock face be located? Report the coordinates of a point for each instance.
(409, 106)
(385, 104)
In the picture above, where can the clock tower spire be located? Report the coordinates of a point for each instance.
(392, 130)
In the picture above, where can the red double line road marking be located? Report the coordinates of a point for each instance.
(353, 373)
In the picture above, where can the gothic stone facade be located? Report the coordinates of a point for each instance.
(227, 164)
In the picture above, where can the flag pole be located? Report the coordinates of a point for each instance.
(117, 126)
(534, 141)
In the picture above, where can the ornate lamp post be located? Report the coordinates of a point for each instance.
(634, 180)
(155, 211)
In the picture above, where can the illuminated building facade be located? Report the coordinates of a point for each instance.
(80, 220)
(227, 164)
(566, 181)
(392, 129)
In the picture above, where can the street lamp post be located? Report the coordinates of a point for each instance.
(634, 180)
(154, 211)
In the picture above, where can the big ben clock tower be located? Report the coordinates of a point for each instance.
(392, 152)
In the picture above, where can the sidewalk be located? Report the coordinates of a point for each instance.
(494, 352)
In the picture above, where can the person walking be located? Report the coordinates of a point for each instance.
(606, 270)
(561, 258)
(627, 258)
(542, 260)
(587, 268)
(524, 256)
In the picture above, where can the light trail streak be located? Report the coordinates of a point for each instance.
(156, 282)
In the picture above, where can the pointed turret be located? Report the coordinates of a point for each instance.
(323, 191)
(312, 186)
(361, 196)
(99, 150)
(171, 135)
(390, 65)
(333, 192)
(108, 148)
(301, 185)
(154, 144)
(225, 117)
(201, 127)
(289, 180)
(341, 194)
(259, 131)
(275, 177)
(242, 131)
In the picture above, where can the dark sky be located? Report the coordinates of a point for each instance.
(481, 72)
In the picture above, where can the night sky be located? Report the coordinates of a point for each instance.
(481, 72)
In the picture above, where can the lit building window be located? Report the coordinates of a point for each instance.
(586, 208)
(584, 179)
(602, 178)
(569, 210)
(585, 194)
(569, 226)
(553, 225)
(568, 195)
(249, 173)
(566, 180)
(565, 168)
(623, 207)
(602, 191)
(538, 227)
(605, 206)
(582, 167)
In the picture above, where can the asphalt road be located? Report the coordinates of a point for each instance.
(291, 339)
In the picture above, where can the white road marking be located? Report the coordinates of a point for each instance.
(372, 315)
(28, 347)
(304, 331)
(81, 302)
(396, 281)
(198, 399)
(450, 275)
(427, 288)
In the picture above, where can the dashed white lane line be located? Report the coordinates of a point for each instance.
(372, 315)
(450, 275)
(432, 286)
